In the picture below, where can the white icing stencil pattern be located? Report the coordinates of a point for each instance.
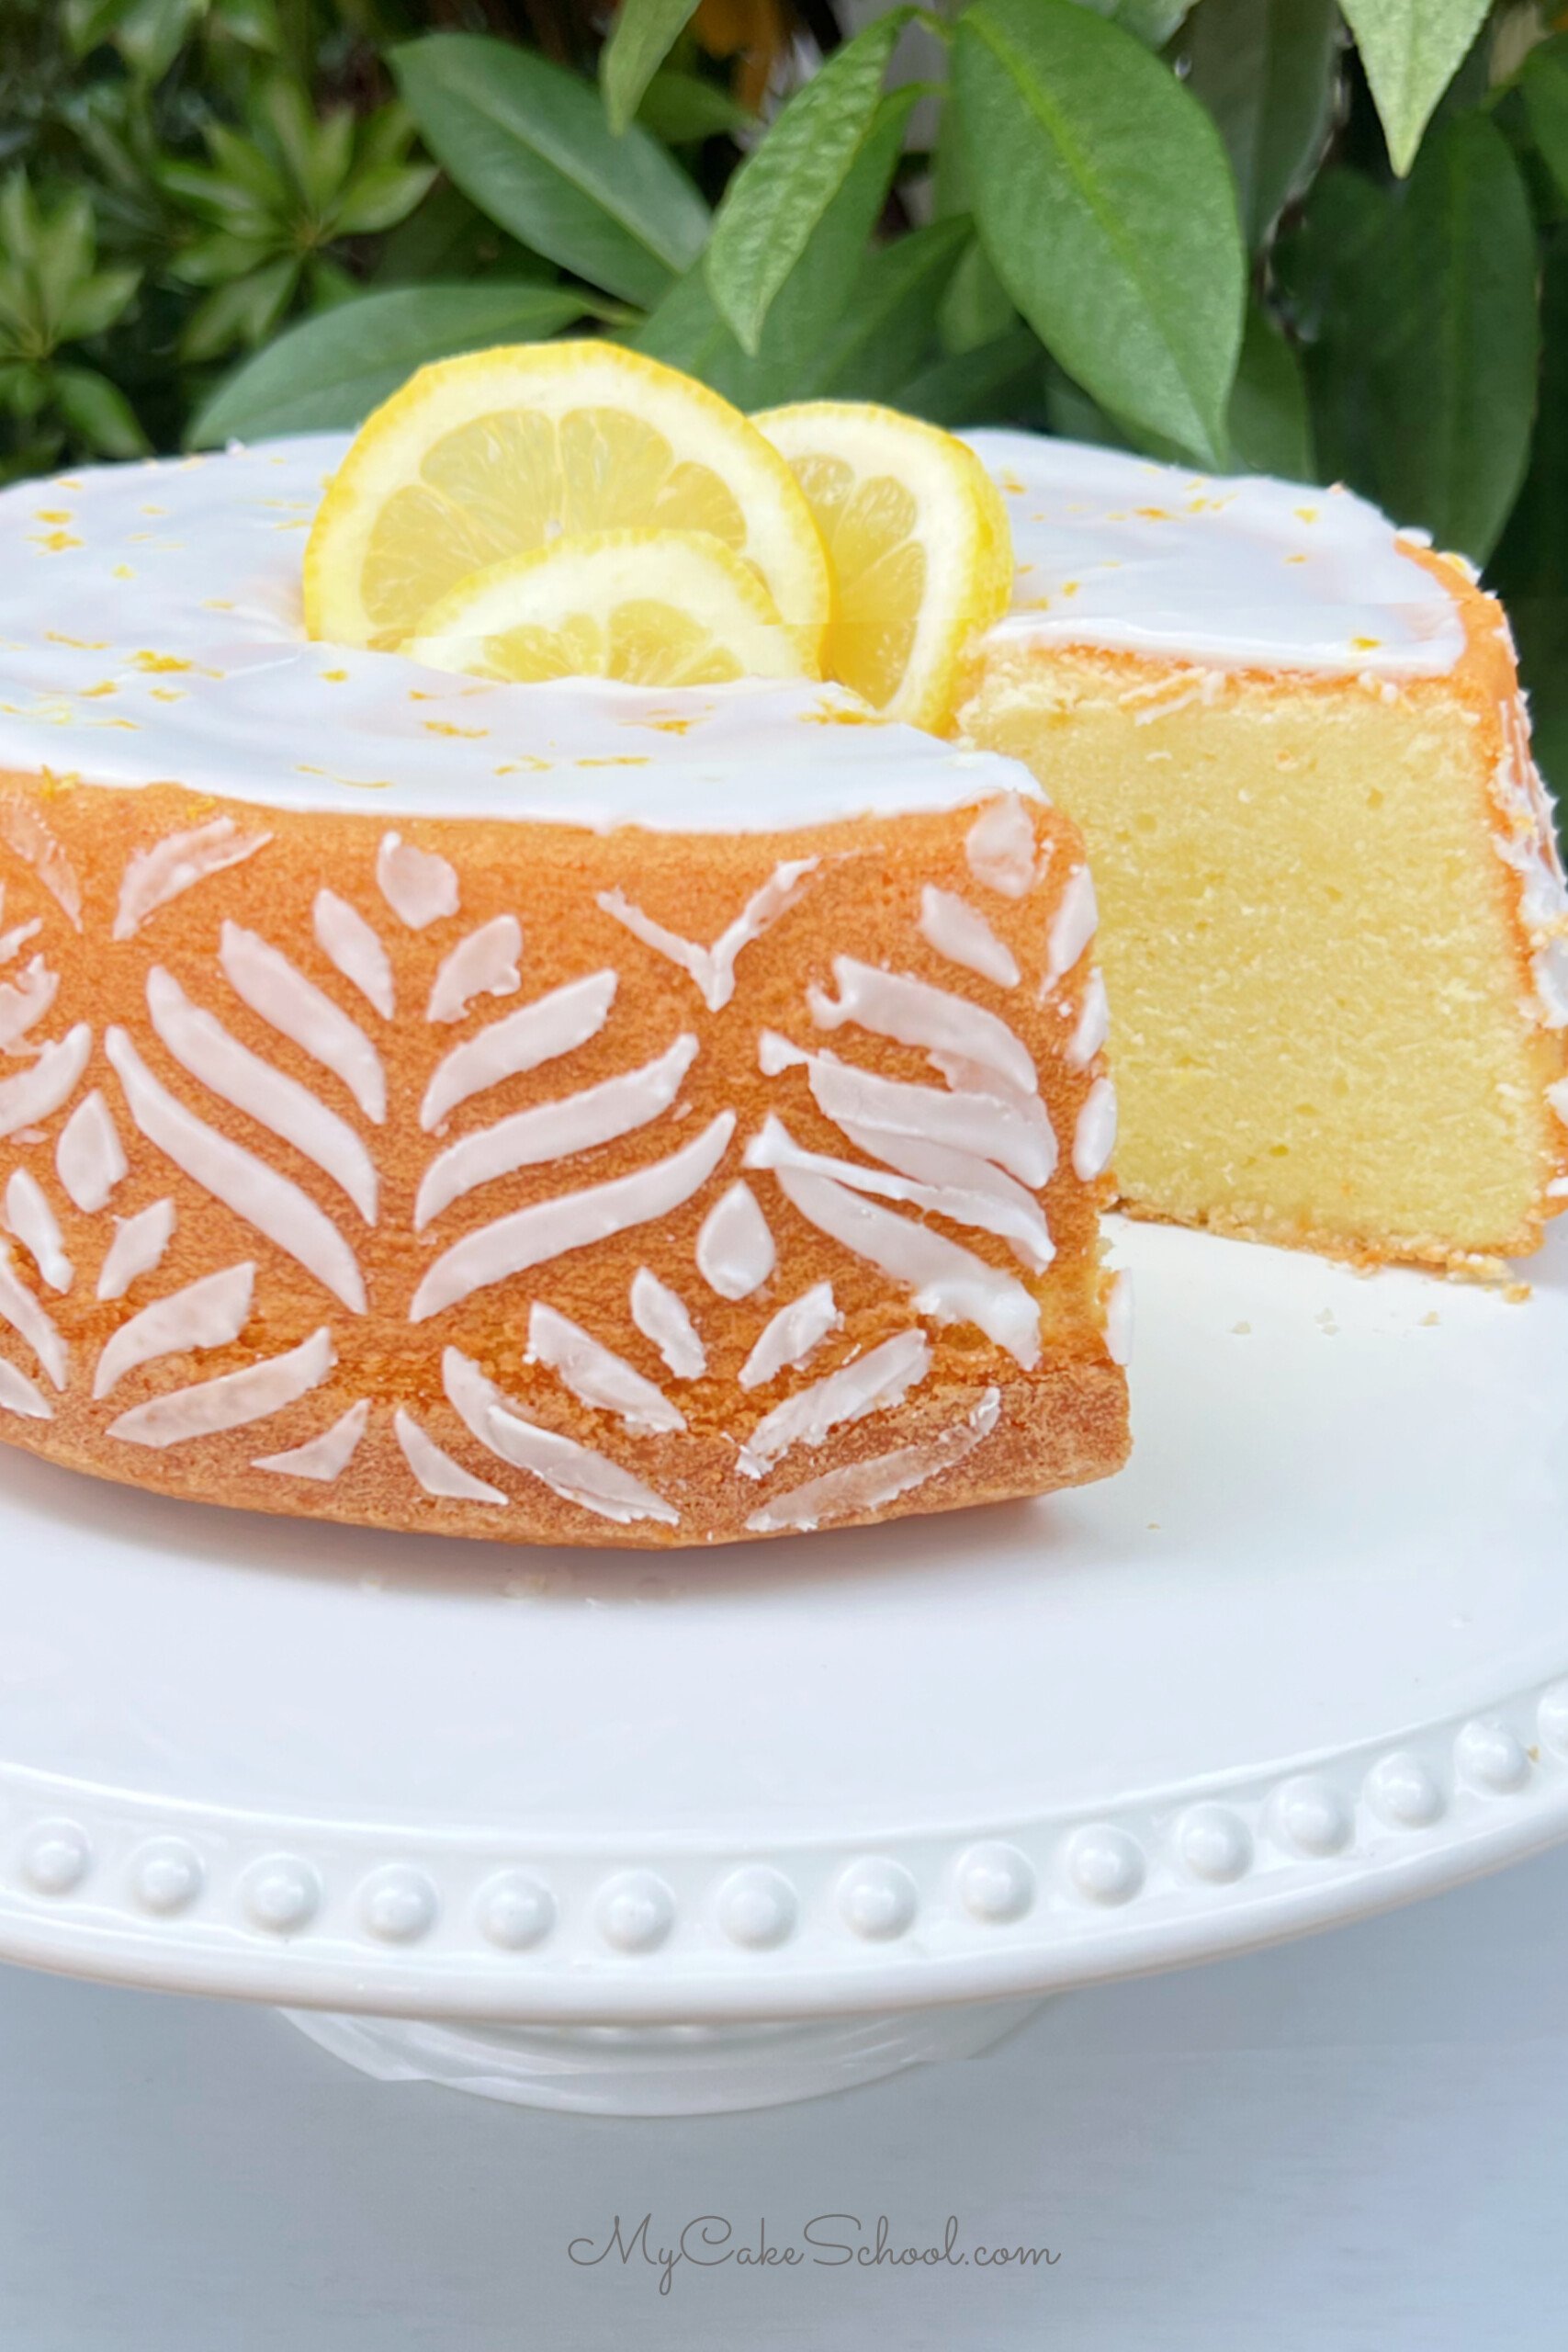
(233, 1126)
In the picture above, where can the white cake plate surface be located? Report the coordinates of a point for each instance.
(1308, 1656)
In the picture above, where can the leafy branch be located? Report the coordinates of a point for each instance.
(54, 296)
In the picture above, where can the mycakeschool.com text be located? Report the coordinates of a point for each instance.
(825, 2241)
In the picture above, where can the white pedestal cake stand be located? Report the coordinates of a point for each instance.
(657, 1833)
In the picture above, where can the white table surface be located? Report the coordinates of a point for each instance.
(1357, 2144)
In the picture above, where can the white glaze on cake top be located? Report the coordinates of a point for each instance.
(151, 628)
(1113, 550)
(150, 631)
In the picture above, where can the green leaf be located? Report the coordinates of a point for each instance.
(888, 324)
(62, 252)
(781, 192)
(252, 22)
(1070, 413)
(328, 283)
(1530, 569)
(1532, 559)
(244, 310)
(688, 329)
(98, 414)
(640, 40)
(683, 108)
(211, 195)
(96, 302)
(19, 224)
(242, 164)
(1412, 50)
(1545, 87)
(214, 258)
(1424, 313)
(1267, 71)
(24, 389)
(1456, 366)
(1333, 271)
(330, 372)
(150, 32)
(19, 334)
(976, 307)
(331, 159)
(1102, 193)
(1271, 430)
(86, 23)
(528, 143)
(1154, 21)
(380, 197)
(1001, 382)
(449, 238)
(384, 137)
(50, 291)
(315, 155)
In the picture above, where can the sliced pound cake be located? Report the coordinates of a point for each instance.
(1335, 933)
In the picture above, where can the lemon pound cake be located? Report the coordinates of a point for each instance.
(574, 1113)
(1335, 931)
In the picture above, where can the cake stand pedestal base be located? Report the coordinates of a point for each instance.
(659, 2069)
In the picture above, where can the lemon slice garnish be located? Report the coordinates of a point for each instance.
(917, 535)
(503, 451)
(653, 608)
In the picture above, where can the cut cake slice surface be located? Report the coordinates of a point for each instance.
(1335, 933)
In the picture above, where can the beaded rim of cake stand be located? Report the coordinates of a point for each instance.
(373, 1916)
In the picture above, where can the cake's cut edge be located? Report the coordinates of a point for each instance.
(1021, 700)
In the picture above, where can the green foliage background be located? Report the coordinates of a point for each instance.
(1325, 238)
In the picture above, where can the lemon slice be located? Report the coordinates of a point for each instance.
(501, 451)
(917, 537)
(654, 609)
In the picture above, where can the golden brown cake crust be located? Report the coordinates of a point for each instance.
(163, 918)
(1064, 1427)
